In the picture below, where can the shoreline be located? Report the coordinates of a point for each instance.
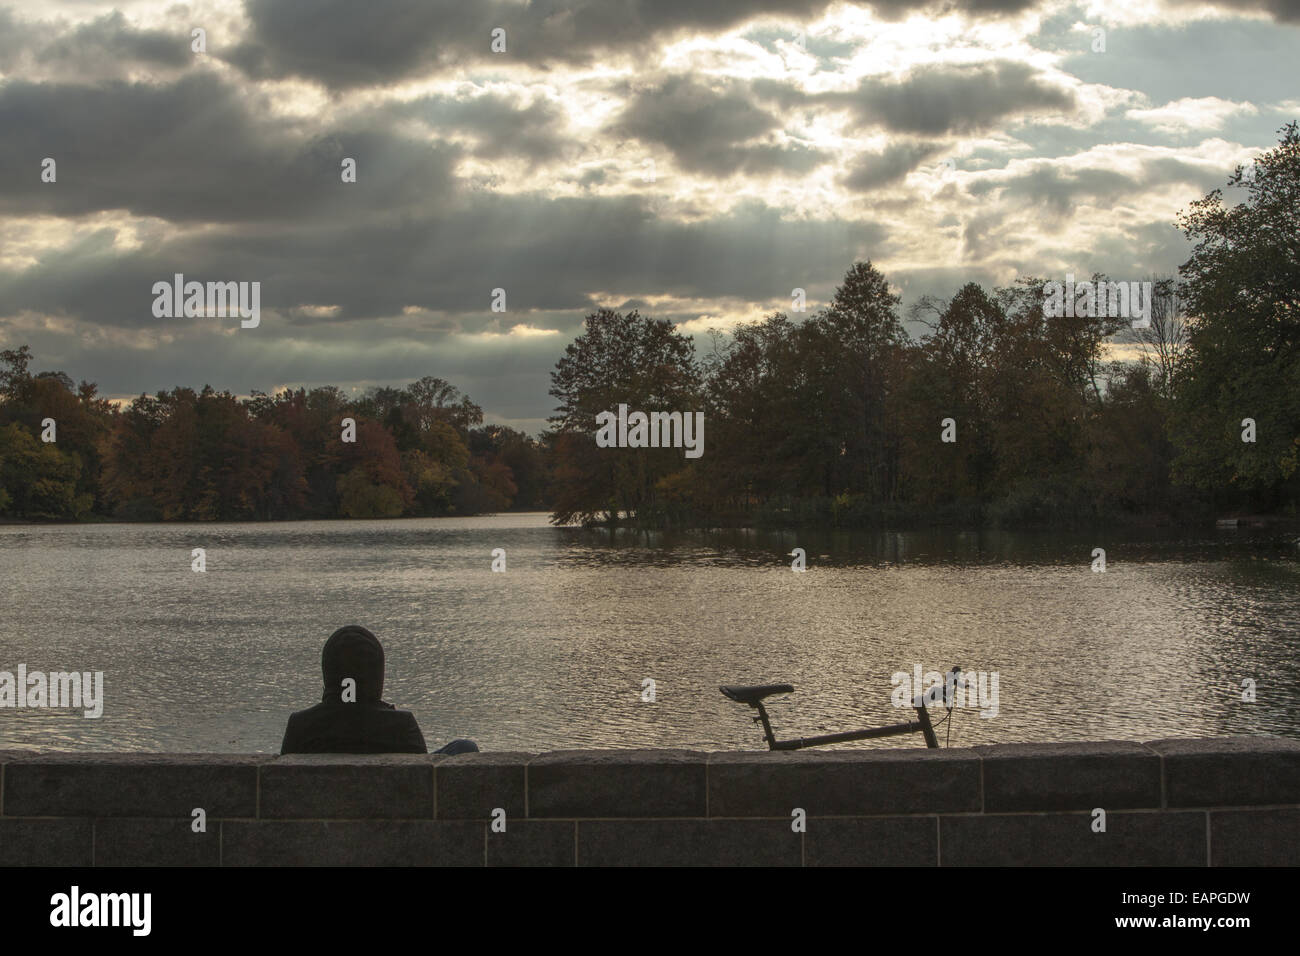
(1253, 522)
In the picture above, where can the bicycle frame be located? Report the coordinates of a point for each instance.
(921, 725)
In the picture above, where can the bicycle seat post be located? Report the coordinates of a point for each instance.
(767, 727)
(753, 696)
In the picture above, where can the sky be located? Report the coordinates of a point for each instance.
(697, 161)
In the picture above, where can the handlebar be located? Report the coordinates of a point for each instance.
(942, 695)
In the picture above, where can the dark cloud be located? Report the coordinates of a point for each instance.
(955, 98)
(889, 165)
(550, 254)
(933, 100)
(683, 113)
(711, 127)
(1060, 189)
(981, 235)
(342, 43)
(13, 38)
(198, 150)
(113, 38)
(106, 47)
(499, 126)
(594, 176)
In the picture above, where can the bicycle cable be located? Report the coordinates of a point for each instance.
(947, 719)
(940, 723)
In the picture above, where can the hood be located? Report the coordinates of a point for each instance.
(354, 652)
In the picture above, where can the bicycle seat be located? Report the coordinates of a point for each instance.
(754, 693)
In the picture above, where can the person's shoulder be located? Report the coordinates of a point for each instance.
(296, 730)
(404, 723)
(307, 713)
(390, 710)
(397, 716)
(308, 720)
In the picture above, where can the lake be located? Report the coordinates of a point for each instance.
(552, 653)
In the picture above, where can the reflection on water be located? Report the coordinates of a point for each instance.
(552, 653)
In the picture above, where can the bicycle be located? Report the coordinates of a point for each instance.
(755, 694)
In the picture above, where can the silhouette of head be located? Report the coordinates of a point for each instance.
(353, 652)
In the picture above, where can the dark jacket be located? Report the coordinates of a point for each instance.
(370, 728)
(355, 720)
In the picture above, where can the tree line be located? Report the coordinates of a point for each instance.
(1005, 412)
(182, 455)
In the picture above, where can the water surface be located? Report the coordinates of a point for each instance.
(552, 653)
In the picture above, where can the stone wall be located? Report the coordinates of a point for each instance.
(1218, 802)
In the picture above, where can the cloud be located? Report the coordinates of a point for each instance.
(341, 43)
(107, 47)
(549, 254)
(872, 170)
(956, 98)
(1192, 113)
(499, 125)
(1064, 184)
(1284, 11)
(198, 150)
(520, 331)
(712, 128)
(111, 37)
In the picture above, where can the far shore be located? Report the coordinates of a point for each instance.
(1276, 522)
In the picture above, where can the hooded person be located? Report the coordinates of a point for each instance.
(352, 717)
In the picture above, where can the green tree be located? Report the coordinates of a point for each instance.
(359, 497)
(951, 375)
(855, 351)
(618, 358)
(764, 426)
(38, 480)
(1241, 287)
(374, 454)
